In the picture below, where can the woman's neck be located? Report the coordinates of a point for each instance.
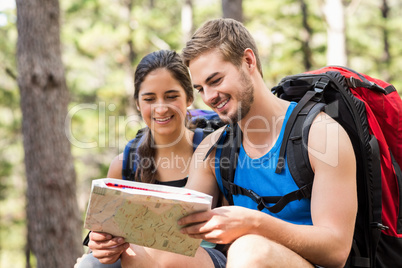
(174, 156)
(179, 141)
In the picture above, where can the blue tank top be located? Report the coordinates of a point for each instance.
(259, 175)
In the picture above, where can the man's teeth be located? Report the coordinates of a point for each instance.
(163, 119)
(222, 104)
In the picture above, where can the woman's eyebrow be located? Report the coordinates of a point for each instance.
(147, 94)
(171, 91)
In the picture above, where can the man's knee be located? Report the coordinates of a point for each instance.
(258, 251)
(251, 251)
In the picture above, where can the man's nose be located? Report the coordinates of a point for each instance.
(211, 96)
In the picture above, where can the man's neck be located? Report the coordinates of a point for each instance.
(262, 125)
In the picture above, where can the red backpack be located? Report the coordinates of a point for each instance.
(370, 110)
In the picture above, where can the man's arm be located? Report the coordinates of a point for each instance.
(333, 202)
(333, 205)
(202, 173)
(334, 195)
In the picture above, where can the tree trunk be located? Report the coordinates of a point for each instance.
(306, 37)
(54, 226)
(130, 57)
(187, 26)
(386, 59)
(233, 9)
(336, 40)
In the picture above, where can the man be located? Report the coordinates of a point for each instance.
(226, 71)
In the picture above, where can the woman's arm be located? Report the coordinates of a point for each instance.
(116, 167)
(104, 247)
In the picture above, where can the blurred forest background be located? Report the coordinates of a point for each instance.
(101, 42)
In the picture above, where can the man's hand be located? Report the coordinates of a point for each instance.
(221, 225)
(106, 248)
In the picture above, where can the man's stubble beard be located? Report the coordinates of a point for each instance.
(246, 99)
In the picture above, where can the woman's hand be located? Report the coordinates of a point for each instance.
(106, 248)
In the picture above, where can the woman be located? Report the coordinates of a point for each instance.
(163, 92)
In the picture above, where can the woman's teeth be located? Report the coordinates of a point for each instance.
(163, 119)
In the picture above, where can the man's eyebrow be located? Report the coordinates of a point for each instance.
(211, 76)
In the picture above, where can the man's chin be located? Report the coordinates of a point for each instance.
(231, 120)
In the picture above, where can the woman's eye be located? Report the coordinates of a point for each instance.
(172, 97)
(148, 100)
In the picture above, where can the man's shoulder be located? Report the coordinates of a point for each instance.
(328, 141)
(323, 124)
(209, 141)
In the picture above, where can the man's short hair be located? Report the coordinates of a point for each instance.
(228, 36)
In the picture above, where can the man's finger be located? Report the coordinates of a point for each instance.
(191, 230)
(195, 218)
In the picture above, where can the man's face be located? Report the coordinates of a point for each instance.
(225, 88)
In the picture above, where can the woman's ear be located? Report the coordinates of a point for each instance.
(189, 102)
(138, 106)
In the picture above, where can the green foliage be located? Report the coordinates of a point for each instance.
(103, 40)
(277, 29)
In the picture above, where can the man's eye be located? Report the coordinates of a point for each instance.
(216, 81)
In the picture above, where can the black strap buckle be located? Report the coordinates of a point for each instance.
(256, 198)
(304, 192)
(379, 226)
(253, 195)
(233, 189)
(320, 85)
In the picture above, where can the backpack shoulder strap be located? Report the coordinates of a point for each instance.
(297, 144)
(130, 157)
(296, 121)
(228, 160)
(199, 135)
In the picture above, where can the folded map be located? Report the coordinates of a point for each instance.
(144, 214)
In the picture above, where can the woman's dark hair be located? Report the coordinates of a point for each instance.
(172, 62)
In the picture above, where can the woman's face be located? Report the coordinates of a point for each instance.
(163, 103)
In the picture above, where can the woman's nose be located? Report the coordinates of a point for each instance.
(160, 108)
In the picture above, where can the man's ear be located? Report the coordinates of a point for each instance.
(249, 59)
